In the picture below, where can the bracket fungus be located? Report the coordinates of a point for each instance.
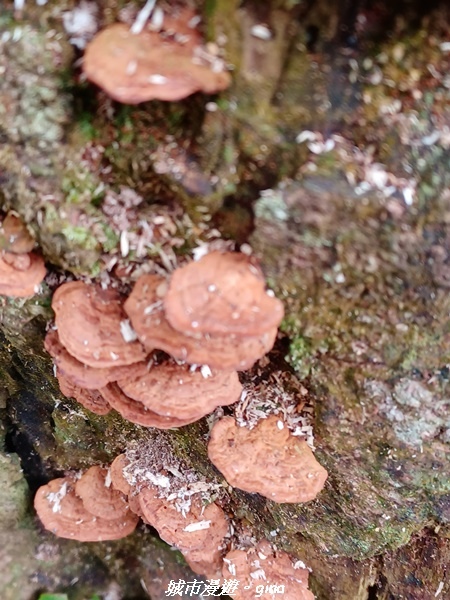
(267, 574)
(21, 274)
(267, 459)
(88, 321)
(65, 513)
(222, 293)
(177, 391)
(199, 534)
(90, 399)
(145, 308)
(134, 68)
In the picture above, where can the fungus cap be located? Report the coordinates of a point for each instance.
(177, 391)
(17, 281)
(263, 565)
(99, 499)
(201, 531)
(14, 235)
(118, 480)
(145, 309)
(136, 412)
(90, 399)
(266, 459)
(63, 513)
(83, 375)
(134, 68)
(222, 293)
(88, 322)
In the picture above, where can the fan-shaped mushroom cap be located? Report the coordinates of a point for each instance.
(136, 412)
(88, 321)
(118, 479)
(90, 399)
(201, 532)
(267, 460)
(145, 308)
(134, 68)
(63, 513)
(174, 390)
(14, 235)
(263, 566)
(20, 274)
(83, 375)
(98, 499)
(222, 293)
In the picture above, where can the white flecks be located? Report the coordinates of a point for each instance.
(212, 288)
(159, 480)
(56, 497)
(205, 371)
(157, 19)
(212, 106)
(194, 324)
(231, 566)
(124, 244)
(280, 425)
(114, 356)
(198, 526)
(157, 79)
(440, 587)
(131, 69)
(258, 574)
(142, 17)
(305, 136)
(81, 23)
(127, 331)
(270, 293)
(108, 479)
(261, 32)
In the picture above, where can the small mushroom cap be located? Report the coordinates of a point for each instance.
(90, 399)
(20, 282)
(145, 308)
(174, 390)
(266, 460)
(14, 235)
(201, 532)
(118, 479)
(88, 321)
(83, 375)
(100, 500)
(262, 565)
(222, 293)
(63, 513)
(135, 68)
(136, 412)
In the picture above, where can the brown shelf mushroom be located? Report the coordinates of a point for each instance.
(88, 321)
(268, 460)
(14, 235)
(136, 412)
(90, 399)
(134, 68)
(222, 293)
(266, 574)
(175, 391)
(98, 498)
(83, 375)
(199, 535)
(20, 274)
(64, 513)
(145, 309)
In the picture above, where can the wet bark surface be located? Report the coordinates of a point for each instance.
(329, 156)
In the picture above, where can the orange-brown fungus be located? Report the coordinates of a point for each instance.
(136, 412)
(133, 68)
(14, 235)
(20, 275)
(222, 293)
(90, 399)
(199, 535)
(99, 498)
(176, 391)
(267, 459)
(145, 308)
(262, 566)
(88, 320)
(64, 513)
